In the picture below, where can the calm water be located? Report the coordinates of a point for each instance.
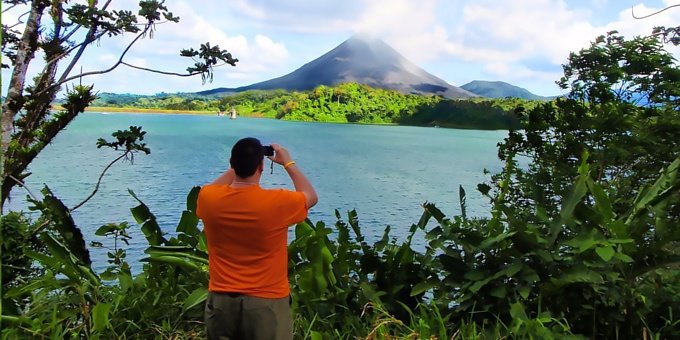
(384, 172)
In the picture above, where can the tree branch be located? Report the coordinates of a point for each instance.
(69, 34)
(19, 22)
(74, 47)
(120, 60)
(23, 185)
(632, 12)
(167, 73)
(88, 39)
(100, 180)
(10, 7)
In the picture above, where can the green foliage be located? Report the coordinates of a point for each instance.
(622, 112)
(127, 140)
(208, 56)
(344, 103)
(58, 218)
(18, 239)
(72, 299)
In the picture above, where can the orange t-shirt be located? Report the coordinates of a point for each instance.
(247, 233)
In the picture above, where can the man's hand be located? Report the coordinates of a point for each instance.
(301, 183)
(281, 155)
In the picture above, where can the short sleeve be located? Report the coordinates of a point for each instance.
(293, 205)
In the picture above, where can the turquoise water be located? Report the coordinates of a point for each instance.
(384, 172)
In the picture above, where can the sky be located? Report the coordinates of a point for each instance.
(522, 42)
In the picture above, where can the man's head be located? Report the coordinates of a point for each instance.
(246, 157)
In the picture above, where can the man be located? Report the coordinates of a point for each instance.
(246, 227)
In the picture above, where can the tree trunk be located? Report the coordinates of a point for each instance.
(14, 100)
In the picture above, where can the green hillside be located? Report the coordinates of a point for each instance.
(345, 103)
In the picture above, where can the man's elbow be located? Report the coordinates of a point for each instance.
(312, 199)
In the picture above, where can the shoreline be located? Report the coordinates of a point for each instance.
(139, 110)
(110, 109)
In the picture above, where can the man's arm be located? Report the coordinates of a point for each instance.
(300, 181)
(226, 178)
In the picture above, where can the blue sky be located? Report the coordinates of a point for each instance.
(523, 42)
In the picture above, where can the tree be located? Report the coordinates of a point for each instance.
(63, 30)
(622, 111)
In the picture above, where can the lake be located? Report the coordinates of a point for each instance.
(384, 172)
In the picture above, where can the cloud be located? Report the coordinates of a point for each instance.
(517, 40)
(525, 29)
(252, 11)
(257, 55)
(306, 16)
(410, 27)
(503, 70)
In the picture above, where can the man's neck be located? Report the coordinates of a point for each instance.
(240, 182)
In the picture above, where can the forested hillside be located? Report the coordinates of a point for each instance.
(346, 103)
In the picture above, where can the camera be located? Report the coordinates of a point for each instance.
(268, 150)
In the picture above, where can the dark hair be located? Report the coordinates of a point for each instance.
(246, 156)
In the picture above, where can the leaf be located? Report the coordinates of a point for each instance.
(580, 274)
(605, 253)
(483, 188)
(108, 275)
(188, 224)
(667, 183)
(475, 275)
(499, 292)
(479, 284)
(434, 212)
(141, 213)
(517, 312)
(524, 292)
(602, 203)
(513, 269)
(202, 243)
(623, 258)
(105, 229)
(100, 316)
(424, 286)
(63, 260)
(424, 218)
(173, 260)
(150, 227)
(197, 297)
(192, 199)
(585, 241)
(153, 233)
(491, 241)
(48, 282)
(577, 193)
(199, 258)
(370, 293)
(461, 198)
(125, 281)
(55, 210)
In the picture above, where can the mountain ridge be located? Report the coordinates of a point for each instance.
(500, 89)
(360, 59)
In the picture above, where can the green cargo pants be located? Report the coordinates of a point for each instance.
(231, 316)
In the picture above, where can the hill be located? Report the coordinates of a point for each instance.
(359, 59)
(499, 89)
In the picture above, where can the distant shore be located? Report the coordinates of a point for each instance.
(139, 110)
(249, 115)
